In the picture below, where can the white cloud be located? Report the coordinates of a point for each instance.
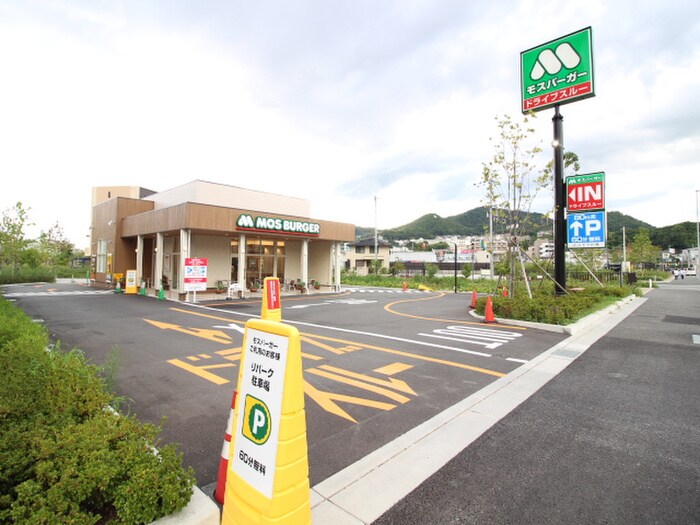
(335, 102)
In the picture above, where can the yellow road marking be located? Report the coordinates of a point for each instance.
(212, 335)
(327, 401)
(201, 371)
(321, 345)
(389, 309)
(312, 356)
(230, 351)
(208, 316)
(421, 357)
(359, 384)
(392, 369)
(396, 384)
(377, 348)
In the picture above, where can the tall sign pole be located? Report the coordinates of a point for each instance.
(555, 73)
(559, 204)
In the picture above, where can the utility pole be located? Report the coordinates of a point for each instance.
(697, 227)
(376, 270)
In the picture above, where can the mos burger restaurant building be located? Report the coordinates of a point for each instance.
(245, 235)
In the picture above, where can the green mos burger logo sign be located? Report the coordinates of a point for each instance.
(277, 225)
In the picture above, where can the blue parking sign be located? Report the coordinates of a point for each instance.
(586, 230)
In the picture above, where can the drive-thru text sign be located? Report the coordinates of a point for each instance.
(586, 230)
(558, 72)
(585, 192)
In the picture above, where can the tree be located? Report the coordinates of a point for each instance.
(431, 269)
(511, 181)
(54, 246)
(641, 250)
(12, 239)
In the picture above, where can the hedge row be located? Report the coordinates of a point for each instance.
(65, 456)
(545, 307)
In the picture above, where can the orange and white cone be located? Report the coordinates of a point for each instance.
(223, 462)
(488, 317)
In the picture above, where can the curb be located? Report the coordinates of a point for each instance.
(201, 510)
(363, 491)
(570, 329)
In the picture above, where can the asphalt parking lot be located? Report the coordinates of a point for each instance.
(377, 363)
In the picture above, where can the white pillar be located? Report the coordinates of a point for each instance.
(241, 263)
(338, 251)
(185, 240)
(159, 261)
(139, 260)
(305, 261)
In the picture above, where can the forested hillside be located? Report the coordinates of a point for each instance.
(476, 222)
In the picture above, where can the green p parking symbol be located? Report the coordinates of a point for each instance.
(257, 423)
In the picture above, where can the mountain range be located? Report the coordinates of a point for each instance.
(475, 222)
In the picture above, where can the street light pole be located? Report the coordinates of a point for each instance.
(455, 267)
(376, 272)
(697, 227)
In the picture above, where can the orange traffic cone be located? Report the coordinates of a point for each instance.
(405, 286)
(488, 317)
(223, 462)
(473, 304)
(504, 293)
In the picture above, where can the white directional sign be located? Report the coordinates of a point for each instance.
(586, 230)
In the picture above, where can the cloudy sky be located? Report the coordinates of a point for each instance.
(335, 101)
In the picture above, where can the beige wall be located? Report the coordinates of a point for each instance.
(292, 264)
(202, 192)
(320, 262)
(217, 251)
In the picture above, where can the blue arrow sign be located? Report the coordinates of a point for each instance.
(586, 230)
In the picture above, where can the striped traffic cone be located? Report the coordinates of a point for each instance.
(223, 462)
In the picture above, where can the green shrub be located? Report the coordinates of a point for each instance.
(545, 307)
(27, 275)
(65, 457)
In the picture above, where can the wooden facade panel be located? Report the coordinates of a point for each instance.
(216, 219)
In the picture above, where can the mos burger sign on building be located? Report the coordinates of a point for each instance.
(277, 225)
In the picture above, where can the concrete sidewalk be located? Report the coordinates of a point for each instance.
(603, 428)
(362, 492)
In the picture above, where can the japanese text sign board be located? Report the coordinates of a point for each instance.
(195, 278)
(260, 390)
(585, 192)
(558, 72)
(586, 230)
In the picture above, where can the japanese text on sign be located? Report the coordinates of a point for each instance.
(261, 387)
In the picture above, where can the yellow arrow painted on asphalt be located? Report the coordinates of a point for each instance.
(212, 335)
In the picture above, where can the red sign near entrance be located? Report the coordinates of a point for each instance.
(585, 192)
(272, 290)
